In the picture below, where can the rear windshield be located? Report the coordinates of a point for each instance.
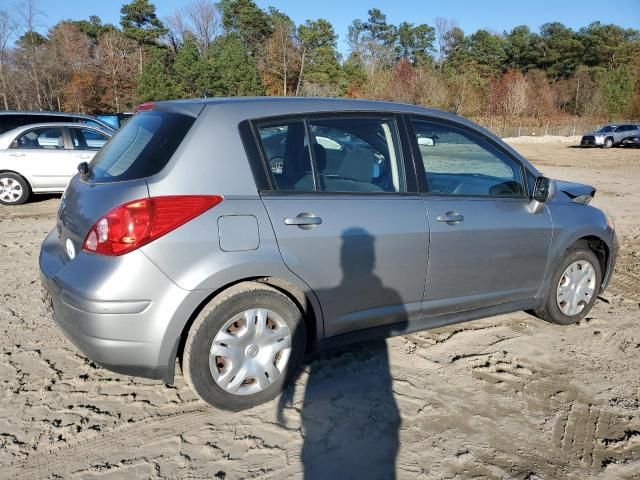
(141, 148)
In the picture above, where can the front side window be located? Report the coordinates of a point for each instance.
(40, 138)
(87, 139)
(458, 162)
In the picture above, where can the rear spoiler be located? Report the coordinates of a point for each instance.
(184, 107)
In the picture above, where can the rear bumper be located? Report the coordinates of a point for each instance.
(117, 355)
(127, 323)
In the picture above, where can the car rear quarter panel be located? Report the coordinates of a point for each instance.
(212, 161)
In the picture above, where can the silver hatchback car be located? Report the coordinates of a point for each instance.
(239, 234)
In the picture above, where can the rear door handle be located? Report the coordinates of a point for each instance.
(304, 220)
(83, 155)
(450, 217)
(17, 154)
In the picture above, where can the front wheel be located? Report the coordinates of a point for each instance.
(574, 288)
(608, 142)
(244, 347)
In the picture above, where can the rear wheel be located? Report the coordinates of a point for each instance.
(14, 190)
(574, 288)
(244, 347)
(608, 142)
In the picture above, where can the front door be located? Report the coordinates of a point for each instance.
(486, 246)
(347, 227)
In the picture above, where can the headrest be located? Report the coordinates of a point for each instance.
(358, 165)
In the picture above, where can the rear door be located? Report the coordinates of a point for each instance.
(353, 228)
(486, 247)
(43, 157)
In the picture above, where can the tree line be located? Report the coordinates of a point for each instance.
(234, 47)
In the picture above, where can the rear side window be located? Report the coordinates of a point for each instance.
(358, 155)
(348, 155)
(141, 148)
(286, 149)
(87, 139)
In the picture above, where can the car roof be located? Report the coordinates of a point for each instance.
(18, 130)
(47, 113)
(262, 107)
(253, 105)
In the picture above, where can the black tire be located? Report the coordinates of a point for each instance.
(14, 179)
(235, 300)
(608, 142)
(550, 311)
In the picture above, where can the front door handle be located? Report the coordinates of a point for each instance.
(450, 217)
(304, 220)
(83, 155)
(17, 154)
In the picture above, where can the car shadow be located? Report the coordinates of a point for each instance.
(350, 419)
(43, 197)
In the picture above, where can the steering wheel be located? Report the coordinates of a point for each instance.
(277, 165)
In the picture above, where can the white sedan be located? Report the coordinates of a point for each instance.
(42, 158)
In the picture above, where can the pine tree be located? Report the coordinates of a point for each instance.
(189, 70)
(231, 71)
(156, 80)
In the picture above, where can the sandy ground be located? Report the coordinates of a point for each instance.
(504, 397)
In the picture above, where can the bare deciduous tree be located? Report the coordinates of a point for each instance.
(177, 29)
(204, 19)
(282, 60)
(116, 63)
(443, 27)
(29, 12)
(7, 30)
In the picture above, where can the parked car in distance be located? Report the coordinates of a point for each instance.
(42, 158)
(610, 135)
(10, 119)
(114, 120)
(180, 239)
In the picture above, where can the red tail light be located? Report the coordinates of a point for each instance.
(136, 223)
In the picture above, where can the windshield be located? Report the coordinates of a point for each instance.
(606, 129)
(141, 148)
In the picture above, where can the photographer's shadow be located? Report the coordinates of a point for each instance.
(350, 419)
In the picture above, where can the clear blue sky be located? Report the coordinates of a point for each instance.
(471, 15)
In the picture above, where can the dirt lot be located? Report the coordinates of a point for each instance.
(504, 397)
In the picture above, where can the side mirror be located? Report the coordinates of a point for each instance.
(83, 168)
(542, 190)
(426, 141)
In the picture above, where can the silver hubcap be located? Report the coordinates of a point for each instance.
(250, 351)
(576, 287)
(10, 189)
